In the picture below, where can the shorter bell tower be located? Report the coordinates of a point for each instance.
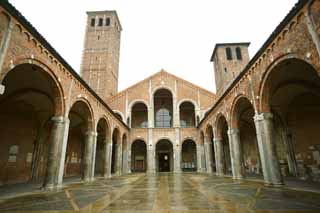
(229, 59)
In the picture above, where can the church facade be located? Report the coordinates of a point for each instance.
(263, 122)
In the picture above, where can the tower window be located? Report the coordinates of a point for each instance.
(93, 22)
(238, 52)
(229, 53)
(107, 21)
(100, 22)
(225, 69)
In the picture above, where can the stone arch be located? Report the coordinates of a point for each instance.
(91, 120)
(132, 103)
(185, 108)
(265, 79)
(139, 161)
(222, 136)
(216, 124)
(58, 90)
(116, 151)
(27, 107)
(163, 104)
(139, 114)
(189, 155)
(154, 90)
(81, 131)
(292, 104)
(233, 110)
(164, 155)
(103, 139)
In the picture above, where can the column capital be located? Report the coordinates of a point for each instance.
(217, 140)
(233, 131)
(91, 133)
(2, 89)
(262, 116)
(59, 119)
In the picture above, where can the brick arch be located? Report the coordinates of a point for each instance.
(264, 96)
(234, 110)
(117, 128)
(138, 139)
(187, 100)
(91, 120)
(120, 113)
(209, 128)
(217, 124)
(59, 103)
(154, 90)
(164, 138)
(108, 127)
(137, 101)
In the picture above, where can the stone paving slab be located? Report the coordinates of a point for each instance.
(166, 193)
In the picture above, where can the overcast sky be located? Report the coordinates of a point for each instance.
(175, 35)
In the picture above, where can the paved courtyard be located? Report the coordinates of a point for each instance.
(166, 193)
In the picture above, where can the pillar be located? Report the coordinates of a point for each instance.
(151, 164)
(108, 159)
(119, 159)
(266, 144)
(177, 152)
(56, 155)
(200, 158)
(235, 153)
(208, 154)
(219, 156)
(88, 155)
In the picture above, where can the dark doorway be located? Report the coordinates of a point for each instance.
(164, 162)
(164, 156)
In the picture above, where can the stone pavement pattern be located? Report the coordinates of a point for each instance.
(166, 193)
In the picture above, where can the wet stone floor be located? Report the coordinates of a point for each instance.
(166, 193)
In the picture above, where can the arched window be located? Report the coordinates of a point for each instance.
(100, 22)
(163, 118)
(229, 53)
(187, 115)
(93, 22)
(139, 116)
(107, 21)
(238, 53)
(163, 108)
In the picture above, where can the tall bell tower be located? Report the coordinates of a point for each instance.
(100, 58)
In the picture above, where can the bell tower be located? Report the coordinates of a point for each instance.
(100, 57)
(229, 60)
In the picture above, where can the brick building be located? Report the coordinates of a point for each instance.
(263, 121)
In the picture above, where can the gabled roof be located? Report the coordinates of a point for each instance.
(162, 71)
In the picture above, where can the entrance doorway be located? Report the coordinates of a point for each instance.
(164, 156)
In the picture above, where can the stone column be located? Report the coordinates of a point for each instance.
(108, 159)
(93, 157)
(129, 158)
(208, 154)
(151, 164)
(235, 153)
(105, 159)
(200, 158)
(88, 155)
(125, 161)
(219, 156)
(56, 155)
(266, 144)
(177, 152)
(119, 159)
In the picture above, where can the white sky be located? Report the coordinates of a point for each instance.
(176, 35)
